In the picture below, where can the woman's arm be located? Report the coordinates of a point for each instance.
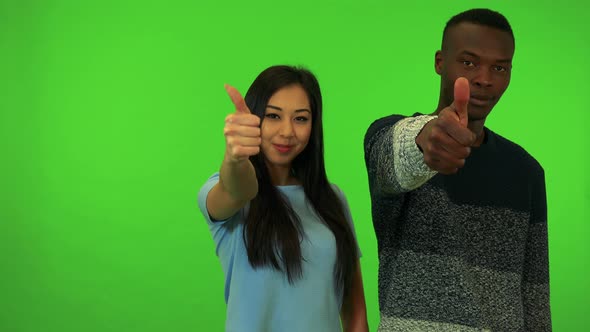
(237, 178)
(354, 309)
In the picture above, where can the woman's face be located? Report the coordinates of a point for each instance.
(286, 126)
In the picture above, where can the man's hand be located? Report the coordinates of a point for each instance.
(446, 141)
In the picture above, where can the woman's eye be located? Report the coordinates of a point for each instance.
(301, 119)
(272, 116)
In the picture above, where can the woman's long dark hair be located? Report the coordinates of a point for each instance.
(273, 231)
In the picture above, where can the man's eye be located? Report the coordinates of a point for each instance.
(499, 68)
(468, 63)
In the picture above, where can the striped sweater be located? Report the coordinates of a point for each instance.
(462, 252)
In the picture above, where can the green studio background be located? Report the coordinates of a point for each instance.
(111, 117)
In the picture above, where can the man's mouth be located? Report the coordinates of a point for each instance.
(480, 100)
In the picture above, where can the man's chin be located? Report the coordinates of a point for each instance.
(477, 113)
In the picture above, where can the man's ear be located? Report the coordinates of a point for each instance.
(438, 62)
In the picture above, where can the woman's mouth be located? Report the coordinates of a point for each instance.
(283, 148)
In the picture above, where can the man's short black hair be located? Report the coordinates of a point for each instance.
(481, 16)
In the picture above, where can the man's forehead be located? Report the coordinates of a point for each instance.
(479, 38)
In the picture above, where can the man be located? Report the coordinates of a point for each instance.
(458, 210)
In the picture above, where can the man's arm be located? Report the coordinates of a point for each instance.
(535, 283)
(394, 162)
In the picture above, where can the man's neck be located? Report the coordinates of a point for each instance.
(476, 127)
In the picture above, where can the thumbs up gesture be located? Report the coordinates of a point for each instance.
(446, 141)
(242, 129)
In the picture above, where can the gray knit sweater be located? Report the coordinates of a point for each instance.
(463, 252)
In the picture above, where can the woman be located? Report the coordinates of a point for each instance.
(283, 233)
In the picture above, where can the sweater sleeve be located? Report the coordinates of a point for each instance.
(395, 165)
(535, 283)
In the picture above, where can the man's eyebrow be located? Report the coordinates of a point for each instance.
(469, 53)
(508, 60)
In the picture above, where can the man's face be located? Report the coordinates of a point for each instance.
(481, 54)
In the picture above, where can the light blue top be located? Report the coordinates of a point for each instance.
(261, 300)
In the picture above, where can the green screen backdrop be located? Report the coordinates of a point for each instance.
(111, 117)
